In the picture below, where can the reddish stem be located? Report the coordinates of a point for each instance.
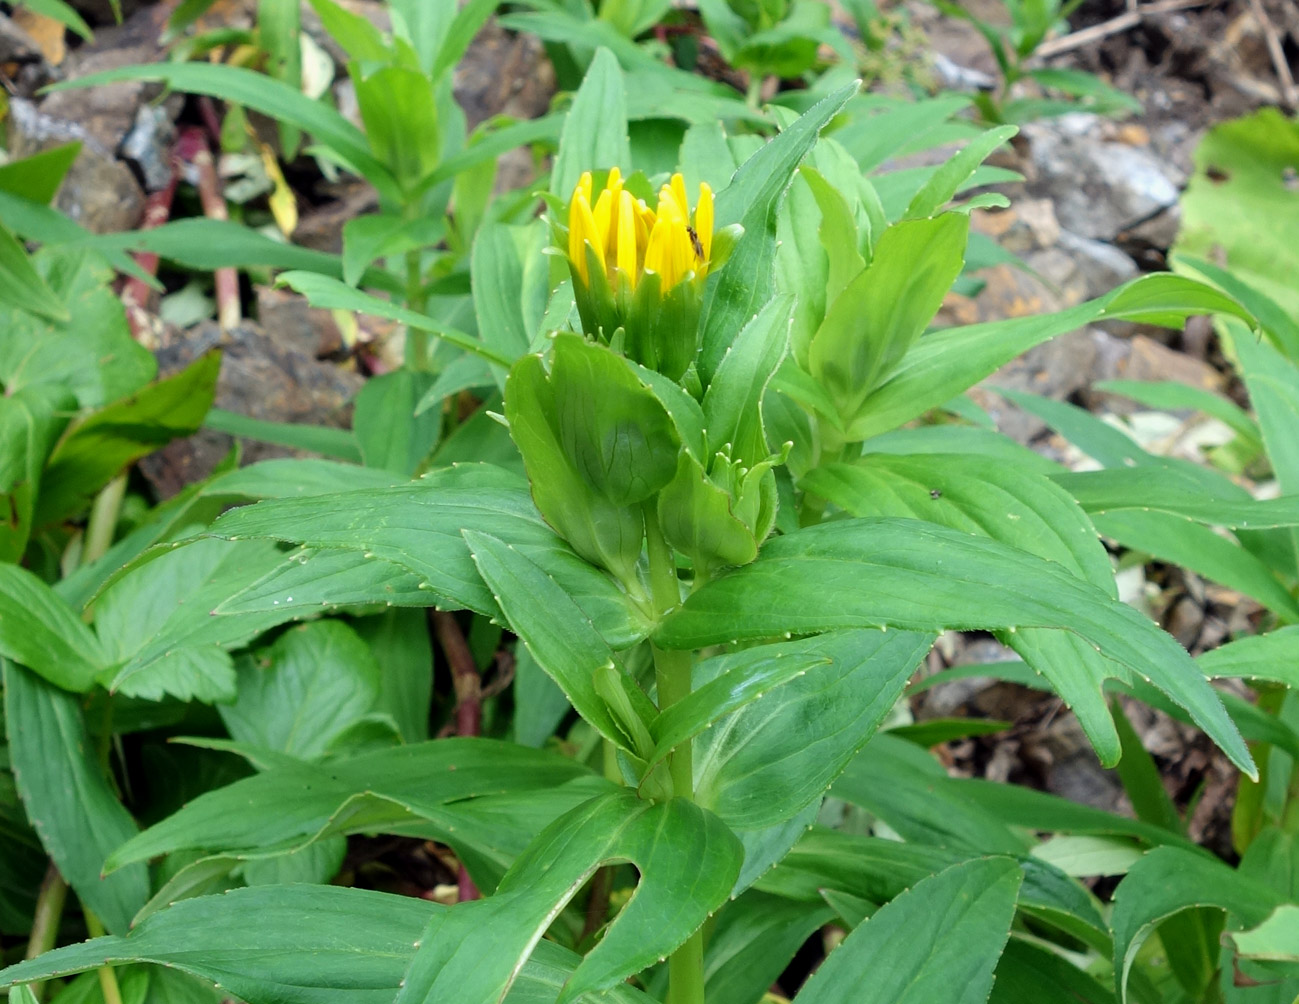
(469, 701)
(192, 148)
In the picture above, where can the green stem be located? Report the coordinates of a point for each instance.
(45, 921)
(107, 978)
(672, 676)
(417, 341)
(103, 520)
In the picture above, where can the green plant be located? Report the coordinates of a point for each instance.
(715, 543)
(1013, 45)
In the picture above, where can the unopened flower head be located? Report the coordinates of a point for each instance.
(638, 272)
(633, 241)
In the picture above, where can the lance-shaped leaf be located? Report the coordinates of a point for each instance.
(563, 641)
(764, 763)
(753, 199)
(312, 944)
(67, 797)
(295, 803)
(417, 527)
(687, 860)
(1169, 880)
(884, 310)
(939, 367)
(938, 941)
(924, 577)
(40, 630)
(31, 421)
(1019, 507)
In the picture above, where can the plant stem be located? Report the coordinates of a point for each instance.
(107, 978)
(45, 922)
(417, 341)
(672, 676)
(103, 519)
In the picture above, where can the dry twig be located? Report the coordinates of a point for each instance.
(1134, 15)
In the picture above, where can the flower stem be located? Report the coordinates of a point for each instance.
(672, 676)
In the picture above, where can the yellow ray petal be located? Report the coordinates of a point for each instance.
(626, 244)
(581, 231)
(602, 216)
(657, 253)
(679, 190)
(704, 220)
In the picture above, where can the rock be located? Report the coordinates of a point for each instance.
(148, 146)
(291, 320)
(955, 77)
(263, 375)
(1100, 187)
(1159, 231)
(1055, 369)
(502, 73)
(1102, 266)
(99, 192)
(16, 45)
(1027, 225)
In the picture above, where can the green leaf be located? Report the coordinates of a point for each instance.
(97, 447)
(595, 133)
(509, 279)
(1169, 880)
(311, 944)
(752, 942)
(940, 366)
(951, 176)
(1238, 203)
(753, 199)
(31, 421)
(337, 443)
(734, 680)
(21, 285)
(381, 235)
(399, 110)
(297, 695)
(261, 93)
(156, 620)
(1272, 381)
(1178, 540)
(39, 176)
(560, 636)
(1029, 973)
(391, 436)
(418, 527)
(1274, 940)
(331, 294)
(294, 804)
(1270, 314)
(357, 35)
(1273, 656)
(40, 630)
(93, 354)
(938, 941)
(687, 860)
(399, 640)
(922, 577)
(732, 404)
(884, 310)
(67, 796)
(765, 762)
(307, 581)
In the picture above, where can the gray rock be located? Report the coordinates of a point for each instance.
(262, 375)
(99, 192)
(1102, 266)
(148, 146)
(16, 46)
(1099, 187)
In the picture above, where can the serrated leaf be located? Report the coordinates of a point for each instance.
(940, 940)
(319, 944)
(67, 797)
(40, 630)
(687, 860)
(919, 576)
